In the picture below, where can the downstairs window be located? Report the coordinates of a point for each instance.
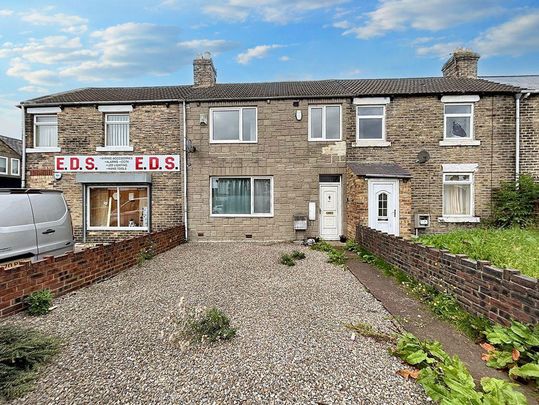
(242, 196)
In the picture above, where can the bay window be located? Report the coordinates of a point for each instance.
(233, 125)
(15, 167)
(325, 123)
(45, 131)
(242, 196)
(122, 207)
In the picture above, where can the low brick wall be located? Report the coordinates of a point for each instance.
(501, 295)
(71, 271)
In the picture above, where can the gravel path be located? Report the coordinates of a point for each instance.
(291, 346)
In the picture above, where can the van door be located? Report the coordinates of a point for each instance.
(53, 223)
(17, 229)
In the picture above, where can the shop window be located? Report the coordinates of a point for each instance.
(243, 196)
(125, 208)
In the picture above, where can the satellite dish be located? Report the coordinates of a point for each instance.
(423, 156)
(189, 148)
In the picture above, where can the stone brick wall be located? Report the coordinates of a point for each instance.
(282, 151)
(416, 123)
(357, 207)
(500, 295)
(529, 136)
(463, 63)
(7, 180)
(71, 271)
(154, 129)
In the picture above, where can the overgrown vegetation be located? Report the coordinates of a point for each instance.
(514, 201)
(335, 256)
(514, 348)
(444, 305)
(39, 302)
(447, 380)
(506, 248)
(22, 353)
(194, 325)
(365, 329)
(297, 255)
(147, 253)
(287, 260)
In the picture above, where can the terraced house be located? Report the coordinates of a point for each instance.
(281, 160)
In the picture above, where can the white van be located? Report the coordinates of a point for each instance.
(34, 223)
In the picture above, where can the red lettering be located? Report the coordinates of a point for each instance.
(138, 162)
(90, 163)
(169, 163)
(74, 163)
(153, 163)
(60, 163)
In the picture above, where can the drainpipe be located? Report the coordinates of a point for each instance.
(23, 157)
(185, 218)
(517, 136)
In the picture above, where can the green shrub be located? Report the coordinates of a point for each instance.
(212, 326)
(287, 260)
(446, 379)
(145, 254)
(39, 302)
(297, 255)
(513, 202)
(335, 256)
(22, 352)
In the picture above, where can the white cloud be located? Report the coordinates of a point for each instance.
(344, 24)
(6, 13)
(442, 50)
(284, 58)
(72, 24)
(33, 89)
(515, 37)
(258, 52)
(274, 11)
(431, 15)
(10, 117)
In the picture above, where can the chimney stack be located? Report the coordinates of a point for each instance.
(204, 73)
(463, 63)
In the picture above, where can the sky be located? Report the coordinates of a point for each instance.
(53, 46)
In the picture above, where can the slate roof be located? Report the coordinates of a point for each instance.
(528, 82)
(387, 170)
(268, 90)
(15, 144)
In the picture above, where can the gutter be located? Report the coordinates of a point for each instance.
(23, 157)
(185, 206)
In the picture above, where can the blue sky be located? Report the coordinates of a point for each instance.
(47, 47)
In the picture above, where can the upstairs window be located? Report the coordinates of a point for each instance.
(15, 167)
(45, 131)
(3, 165)
(233, 125)
(116, 130)
(325, 123)
(371, 123)
(458, 195)
(458, 121)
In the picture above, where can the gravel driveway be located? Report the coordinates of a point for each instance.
(291, 345)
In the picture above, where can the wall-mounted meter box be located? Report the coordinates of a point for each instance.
(312, 211)
(422, 220)
(300, 222)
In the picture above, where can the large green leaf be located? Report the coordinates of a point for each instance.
(500, 392)
(530, 370)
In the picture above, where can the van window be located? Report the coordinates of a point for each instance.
(15, 210)
(47, 207)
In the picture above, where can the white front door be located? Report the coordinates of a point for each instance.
(384, 205)
(330, 211)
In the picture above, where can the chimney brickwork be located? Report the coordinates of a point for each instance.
(204, 73)
(463, 63)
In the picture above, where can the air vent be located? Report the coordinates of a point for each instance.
(249, 236)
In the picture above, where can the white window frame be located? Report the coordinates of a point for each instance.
(465, 170)
(17, 165)
(459, 115)
(45, 148)
(116, 228)
(371, 142)
(118, 147)
(324, 134)
(252, 214)
(240, 117)
(6, 159)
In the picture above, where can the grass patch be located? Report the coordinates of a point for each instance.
(335, 256)
(22, 353)
(514, 248)
(443, 305)
(365, 329)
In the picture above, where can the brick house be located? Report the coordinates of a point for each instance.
(276, 161)
(10, 162)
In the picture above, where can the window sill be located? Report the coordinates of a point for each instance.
(232, 142)
(460, 142)
(373, 143)
(120, 228)
(241, 216)
(459, 219)
(325, 140)
(43, 149)
(114, 149)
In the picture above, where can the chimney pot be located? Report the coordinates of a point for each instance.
(463, 63)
